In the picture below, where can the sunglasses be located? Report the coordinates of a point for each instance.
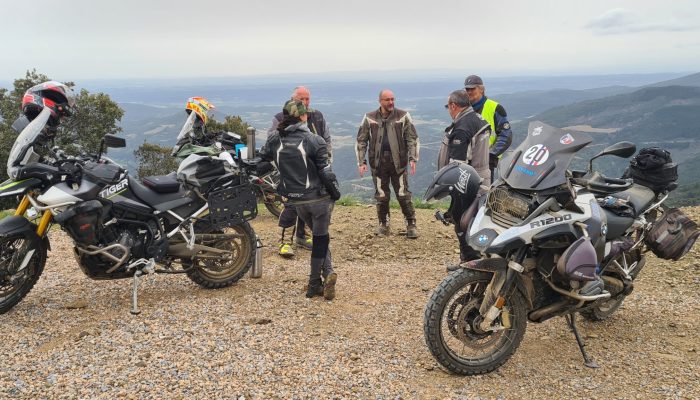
(447, 105)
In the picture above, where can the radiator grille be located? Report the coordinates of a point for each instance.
(508, 208)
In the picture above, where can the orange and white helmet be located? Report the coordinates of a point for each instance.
(201, 106)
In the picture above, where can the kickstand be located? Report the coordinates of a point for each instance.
(587, 361)
(134, 298)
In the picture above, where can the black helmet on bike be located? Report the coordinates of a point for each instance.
(457, 176)
(55, 96)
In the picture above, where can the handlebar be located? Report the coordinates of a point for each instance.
(596, 182)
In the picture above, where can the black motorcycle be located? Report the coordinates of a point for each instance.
(195, 140)
(195, 224)
(554, 242)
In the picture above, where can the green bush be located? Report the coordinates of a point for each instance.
(419, 203)
(347, 200)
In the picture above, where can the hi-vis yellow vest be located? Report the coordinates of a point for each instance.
(488, 113)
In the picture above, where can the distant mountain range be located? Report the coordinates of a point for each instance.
(664, 113)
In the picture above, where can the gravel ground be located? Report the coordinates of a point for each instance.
(74, 338)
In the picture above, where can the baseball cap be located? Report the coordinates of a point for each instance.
(472, 81)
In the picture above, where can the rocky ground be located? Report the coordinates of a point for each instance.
(261, 338)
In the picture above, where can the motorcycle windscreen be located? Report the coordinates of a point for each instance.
(541, 160)
(186, 133)
(22, 152)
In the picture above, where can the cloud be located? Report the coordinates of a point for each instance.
(618, 21)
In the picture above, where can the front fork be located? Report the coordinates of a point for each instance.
(43, 222)
(502, 283)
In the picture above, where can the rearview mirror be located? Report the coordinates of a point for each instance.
(620, 149)
(114, 141)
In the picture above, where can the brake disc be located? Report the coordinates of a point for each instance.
(467, 323)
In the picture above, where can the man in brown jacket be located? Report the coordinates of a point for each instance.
(389, 139)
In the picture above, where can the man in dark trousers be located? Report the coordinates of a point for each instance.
(288, 218)
(494, 113)
(389, 139)
(306, 179)
(467, 140)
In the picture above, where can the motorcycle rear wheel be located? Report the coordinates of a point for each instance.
(274, 205)
(605, 310)
(15, 285)
(451, 320)
(218, 274)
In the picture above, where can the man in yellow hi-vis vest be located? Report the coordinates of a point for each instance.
(495, 115)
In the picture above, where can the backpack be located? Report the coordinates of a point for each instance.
(672, 235)
(653, 167)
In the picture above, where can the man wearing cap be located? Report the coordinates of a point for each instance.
(494, 114)
(317, 125)
(306, 179)
(389, 139)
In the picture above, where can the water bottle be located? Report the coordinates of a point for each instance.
(256, 271)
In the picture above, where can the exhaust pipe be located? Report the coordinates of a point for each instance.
(550, 311)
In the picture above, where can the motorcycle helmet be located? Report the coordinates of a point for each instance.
(457, 176)
(201, 107)
(53, 95)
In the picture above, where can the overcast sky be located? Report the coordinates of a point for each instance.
(85, 39)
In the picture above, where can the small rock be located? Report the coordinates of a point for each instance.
(76, 304)
(82, 334)
(354, 357)
(263, 321)
(141, 364)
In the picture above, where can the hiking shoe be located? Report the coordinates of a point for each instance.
(382, 229)
(329, 286)
(411, 232)
(314, 290)
(286, 250)
(304, 243)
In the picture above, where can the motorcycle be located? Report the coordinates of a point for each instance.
(196, 224)
(193, 141)
(554, 242)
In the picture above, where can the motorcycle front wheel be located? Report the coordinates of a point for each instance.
(219, 273)
(21, 264)
(451, 325)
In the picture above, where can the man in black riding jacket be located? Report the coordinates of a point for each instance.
(467, 140)
(288, 218)
(306, 179)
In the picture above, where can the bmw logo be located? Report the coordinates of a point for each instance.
(482, 239)
(604, 229)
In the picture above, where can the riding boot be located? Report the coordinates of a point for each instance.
(407, 208)
(382, 215)
(315, 287)
(286, 250)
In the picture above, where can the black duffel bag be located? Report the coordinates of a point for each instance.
(672, 235)
(653, 167)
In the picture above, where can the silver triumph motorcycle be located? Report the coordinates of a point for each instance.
(554, 242)
(195, 224)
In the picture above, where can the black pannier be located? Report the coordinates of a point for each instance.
(672, 235)
(653, 167)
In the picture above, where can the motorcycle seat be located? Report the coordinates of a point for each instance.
(617, 225)
(159, 201)
(638, 196)
(162, 183)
